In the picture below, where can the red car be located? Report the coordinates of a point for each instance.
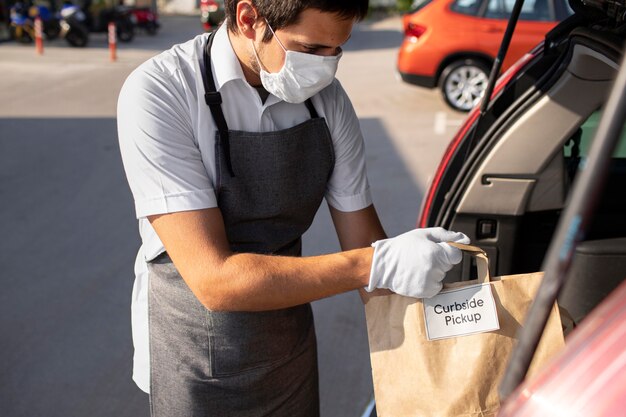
(509, 177)
(453, 43)
(589, 377)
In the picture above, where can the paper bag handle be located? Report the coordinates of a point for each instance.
(482, 262)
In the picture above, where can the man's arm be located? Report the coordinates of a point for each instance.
(222, 280)
(358, 229)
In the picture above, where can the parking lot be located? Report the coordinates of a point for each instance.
(69, 233)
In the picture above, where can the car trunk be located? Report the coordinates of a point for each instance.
(508, 191)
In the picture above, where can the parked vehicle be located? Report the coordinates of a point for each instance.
(212, 13)
(505, 177)
(588, 378)
(100, 13)
(21, 26)
(451, 44)
(505, 180)
(50, 21)
(145, 19)
(74, 25)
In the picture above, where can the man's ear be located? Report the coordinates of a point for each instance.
(248, 22)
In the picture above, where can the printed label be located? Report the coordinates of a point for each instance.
(460, 312)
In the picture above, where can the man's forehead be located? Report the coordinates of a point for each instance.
(322, 29)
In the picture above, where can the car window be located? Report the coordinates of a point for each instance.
(536, 10)
(562, 9)
(418, 5)
(469, 7)
(578, 145)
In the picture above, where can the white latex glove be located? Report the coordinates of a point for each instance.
(414, 263)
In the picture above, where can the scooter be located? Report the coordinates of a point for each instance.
(98, 19)
(23, 18)
(74, 25)
(50, 22)
(145, 19)
(22, 27)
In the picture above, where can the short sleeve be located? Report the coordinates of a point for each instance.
(162, 160)
(348, 187)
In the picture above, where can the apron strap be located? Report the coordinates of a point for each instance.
(309, 105)
(214, 100)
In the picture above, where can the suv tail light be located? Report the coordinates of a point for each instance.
(414, 30)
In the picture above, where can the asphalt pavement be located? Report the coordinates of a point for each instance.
(69, 236)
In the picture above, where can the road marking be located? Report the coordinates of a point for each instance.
(441, 123)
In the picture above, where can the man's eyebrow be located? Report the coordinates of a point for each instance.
(321, 46)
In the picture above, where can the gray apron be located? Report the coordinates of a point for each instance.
(207, 363)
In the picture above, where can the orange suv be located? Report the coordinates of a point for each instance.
(453, 43)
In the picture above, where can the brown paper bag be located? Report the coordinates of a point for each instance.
(459, 376)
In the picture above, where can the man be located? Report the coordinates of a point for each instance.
(230, 142)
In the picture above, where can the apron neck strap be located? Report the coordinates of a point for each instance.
(214, 100)
(311, 108)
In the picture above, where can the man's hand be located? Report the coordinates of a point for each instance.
(414, 263)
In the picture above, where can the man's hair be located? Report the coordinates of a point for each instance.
(282, 13)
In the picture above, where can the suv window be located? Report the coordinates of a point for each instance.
(609, 220)
(536, 10)
(469, 7)
(418, 5)
(562, 9)
(578, 145)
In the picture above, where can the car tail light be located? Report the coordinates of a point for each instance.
(427, 204)
(414, 30)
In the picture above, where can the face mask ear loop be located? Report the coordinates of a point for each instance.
(276, 37)
(256, 55)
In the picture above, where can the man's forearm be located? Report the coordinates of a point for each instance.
(222, 280)
(251, 282)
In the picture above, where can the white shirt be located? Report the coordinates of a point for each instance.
(167, 138)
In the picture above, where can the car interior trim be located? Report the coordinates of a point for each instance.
(559, 103)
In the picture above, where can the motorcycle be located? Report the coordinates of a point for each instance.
(146, 19)
(74, 25)
(22, 22)
(50, 22)
(99, 16)
(21, 27)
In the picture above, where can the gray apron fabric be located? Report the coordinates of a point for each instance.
(206, 363)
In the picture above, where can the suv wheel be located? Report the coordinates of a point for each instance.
(463, 83)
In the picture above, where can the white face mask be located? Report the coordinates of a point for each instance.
(302, 75)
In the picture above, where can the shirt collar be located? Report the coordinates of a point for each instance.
(226, 66)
